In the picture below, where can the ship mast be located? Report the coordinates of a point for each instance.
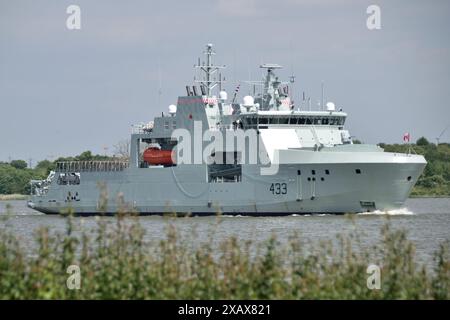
(209, 82)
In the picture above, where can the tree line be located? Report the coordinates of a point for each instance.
(435, 180)
(15, 176)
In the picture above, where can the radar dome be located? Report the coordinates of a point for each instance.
(248, 101)
(172, 109)
(223, 95)
(331, 106)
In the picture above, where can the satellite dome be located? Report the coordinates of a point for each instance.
(331, 106)
(248, 101)
(223, 95)
(172, 109)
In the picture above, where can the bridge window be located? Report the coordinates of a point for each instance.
(292, 120)
(284, 120)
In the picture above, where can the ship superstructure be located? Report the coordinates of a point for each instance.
(261, 156)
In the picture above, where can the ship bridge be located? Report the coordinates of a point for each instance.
(280, 119)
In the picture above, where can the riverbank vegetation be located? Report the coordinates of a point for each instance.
(15, 176)
(116, 262)
(434, 182)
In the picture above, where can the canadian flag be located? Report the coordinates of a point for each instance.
(406, 137)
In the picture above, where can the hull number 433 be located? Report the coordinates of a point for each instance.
(278, 188)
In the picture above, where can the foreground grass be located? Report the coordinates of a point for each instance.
(117, 263)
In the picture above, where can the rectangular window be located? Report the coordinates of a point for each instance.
(174, 124)
(358, 171)
(263, 121)
(327, 171)
(284, 120)
(299, 172)
(166, 125)
(313, 172)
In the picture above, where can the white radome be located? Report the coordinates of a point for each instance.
(331, 106)
(172, 109)
(223, 95)
(248, 101)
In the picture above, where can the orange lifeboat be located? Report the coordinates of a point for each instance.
(155, 156)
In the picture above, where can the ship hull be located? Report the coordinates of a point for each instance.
(349, 186)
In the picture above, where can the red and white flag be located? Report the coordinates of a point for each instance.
(406, 137)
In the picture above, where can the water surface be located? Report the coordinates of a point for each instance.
(426, 220)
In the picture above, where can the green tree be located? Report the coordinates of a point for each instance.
(422, 141)
(13, 180)
(19, 164)
(44, 167)
(85, 156)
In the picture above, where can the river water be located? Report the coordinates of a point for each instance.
(426, 220)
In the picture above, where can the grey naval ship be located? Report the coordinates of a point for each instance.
(276, 158)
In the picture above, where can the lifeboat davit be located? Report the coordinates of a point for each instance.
(155, 156)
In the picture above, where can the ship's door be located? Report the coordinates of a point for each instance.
(299, 186)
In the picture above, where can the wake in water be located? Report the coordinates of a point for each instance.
(395, 212)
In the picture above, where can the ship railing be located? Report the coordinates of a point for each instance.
(91, 166)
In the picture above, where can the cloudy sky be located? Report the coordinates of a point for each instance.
(65, 91)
